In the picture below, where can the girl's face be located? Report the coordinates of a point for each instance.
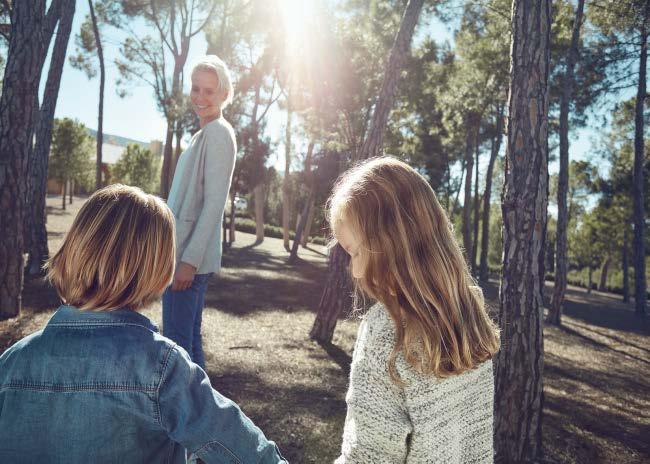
(351, 244)
(205, 95)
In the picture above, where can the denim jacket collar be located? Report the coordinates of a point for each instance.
(68, 315)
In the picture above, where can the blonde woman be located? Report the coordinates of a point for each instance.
(198, 198)
(421, 386)
(99, 384)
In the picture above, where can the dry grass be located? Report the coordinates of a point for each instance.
(259, 311)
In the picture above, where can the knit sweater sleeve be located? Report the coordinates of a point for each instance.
(377, 426)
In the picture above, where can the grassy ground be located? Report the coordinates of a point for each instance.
(259, 311)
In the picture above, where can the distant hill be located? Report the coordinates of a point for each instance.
(117, 140)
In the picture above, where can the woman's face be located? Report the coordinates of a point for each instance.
(205, 95)
(351, 244)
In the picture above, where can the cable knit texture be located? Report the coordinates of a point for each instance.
(429, 420)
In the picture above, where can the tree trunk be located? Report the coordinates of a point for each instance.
(286, 190)
(100, 112)
(555, 311)
(604, 269)
(467, 201)
(35, 231)
(165, 173)
(334, 298)
(30, 37)
(520, 362)
(259, 213)
(476, 208)
(71, 192)
(64, 192)
(293, 257)
(310, 219)
(398, 54)
(626, 270)
(590, 282)
(485, 234)
(452, 209)
(638, 244)
(233, 218)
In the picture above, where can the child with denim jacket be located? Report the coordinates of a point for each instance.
(99, 383)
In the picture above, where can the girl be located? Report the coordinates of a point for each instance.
(421, 386)
(99, 384)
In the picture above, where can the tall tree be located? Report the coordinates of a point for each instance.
(555, 311)
(638, 242)
(89, 44)
(32, 27)
(336, 294)
(35, 232)
(520, 362)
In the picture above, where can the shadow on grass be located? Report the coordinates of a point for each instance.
(302, 419)
(255, 280)
(620, 426)
(338, 355)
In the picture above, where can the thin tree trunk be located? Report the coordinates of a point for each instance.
(452, 209)
(165, 173)
(485, 235)
(286, 190)
(476, 207)
(64, 193)
(310, 219)
(467, 201)
(590, 281)
(35, 230)
(100, 112)
(626, 270)
(293, 257)
(638, 244)
(233, 218)
(555, 311)
(604, 269)
(335, 295)
(398, 54)
(71, 191)
(520, 362)
(259, 213)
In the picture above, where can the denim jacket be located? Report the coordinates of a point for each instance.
(105, 387)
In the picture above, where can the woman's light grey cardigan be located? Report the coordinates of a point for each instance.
(429, 420)
(199, 192)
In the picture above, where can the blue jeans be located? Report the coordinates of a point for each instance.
(182, 314)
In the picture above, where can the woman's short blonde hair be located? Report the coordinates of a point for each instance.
(214, 64)
(119, 253)
(415, 267)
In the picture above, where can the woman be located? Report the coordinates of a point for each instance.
(197, 199)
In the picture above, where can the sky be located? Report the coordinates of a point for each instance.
(137, 117)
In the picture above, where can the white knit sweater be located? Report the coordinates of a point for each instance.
(429, 420)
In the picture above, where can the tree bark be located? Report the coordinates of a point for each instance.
(259, 212)
(626, 270)
(604, 269)
(555, 311)
(310, 219)
(398, 54)
(64, 193)
(31, 33)
(638, 244)
(590, 280)
(293, 257)
(35, 231)
(334, 299)
(485, 234)
(476, 207)
(100, 112)
(286, 189)
(520, 362)
(467, 201)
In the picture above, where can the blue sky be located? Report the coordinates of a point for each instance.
(136, 115)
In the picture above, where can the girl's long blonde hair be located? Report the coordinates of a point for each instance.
(415, 267)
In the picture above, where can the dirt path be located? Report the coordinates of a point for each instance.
(258, 314)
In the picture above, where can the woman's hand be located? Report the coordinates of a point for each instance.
(183, 276)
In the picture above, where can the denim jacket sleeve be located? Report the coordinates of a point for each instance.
(205, 422)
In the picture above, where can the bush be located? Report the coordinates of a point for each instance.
(243, 224)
